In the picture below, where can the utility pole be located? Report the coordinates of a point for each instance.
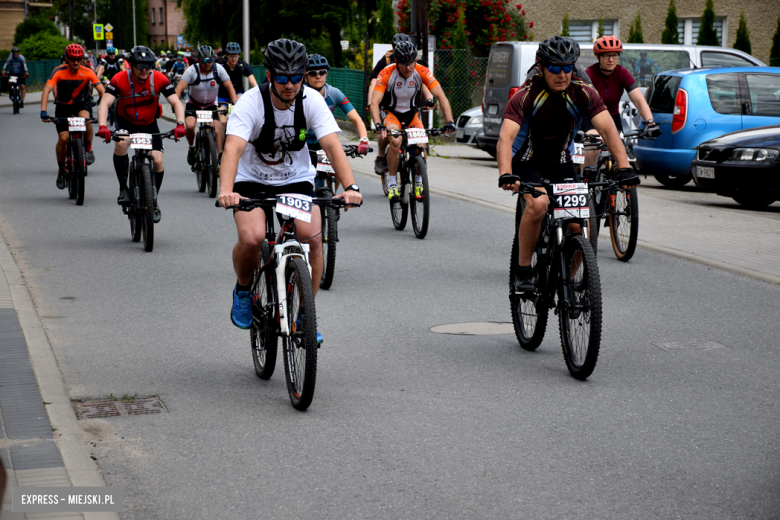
(70, 6)
(135, 42)
(247, 53)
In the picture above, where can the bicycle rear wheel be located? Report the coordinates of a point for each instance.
(263, 329)
(136, 222)
(147, 207)
(419, 207)
(212, 171)
(399, 210)
(624, 223)
(79, 169)
(200, 163)
(579, 307)
(300, 347)
(16, 103)
(329, 239)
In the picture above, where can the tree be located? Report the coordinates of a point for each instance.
(83, 17)
(635, 31)
(565, 25)
(600, 29)
(774, 54)
(385, 27)
(707, 33)
(43, 46)
(32, 26)
(670, 34)
(743, 37)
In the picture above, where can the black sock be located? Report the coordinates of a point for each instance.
(121, 164)
(524, 271)
(243, 288)
(158, 177)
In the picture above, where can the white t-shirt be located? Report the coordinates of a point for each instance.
(205, 92)
(281, 167)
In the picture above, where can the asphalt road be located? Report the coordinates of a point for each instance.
(405, 423)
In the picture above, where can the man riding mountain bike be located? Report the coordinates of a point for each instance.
(16, 65)
(110, 65)
(398, 94)
(237, 69)
(266, 155)
(537, 134)
(137, 91)
(70, 83)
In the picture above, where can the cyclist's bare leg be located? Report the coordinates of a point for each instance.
(23, 90)
(381, 144)
(157, 159)
(591, 156)
(246, 252)
(530, 224)
(88, 135)
(189, 129)
(62, 146)
(392, 152)
(311, 233)
(219, 128)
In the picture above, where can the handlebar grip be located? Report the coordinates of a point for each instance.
(507, 179)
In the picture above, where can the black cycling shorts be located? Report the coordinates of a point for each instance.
(72, 110)
(20, 80)
(587, 125)
(536, 172)
(122, 124)
(257, 190)
(191, 106)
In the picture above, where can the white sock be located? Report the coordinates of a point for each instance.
(418, 178)
(390, 180)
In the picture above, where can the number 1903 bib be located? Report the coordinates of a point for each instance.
(294, 205)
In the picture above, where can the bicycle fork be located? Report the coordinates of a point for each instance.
(281, 279)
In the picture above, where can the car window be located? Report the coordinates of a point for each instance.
(499, 67)
(724, 93)
(642, 64)
(722, 59)
(764, 94)
(662, 94)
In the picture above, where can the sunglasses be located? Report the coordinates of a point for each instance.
(313, 73)
(144, 66)
(207, 60)
(283, 80)
(556, 69)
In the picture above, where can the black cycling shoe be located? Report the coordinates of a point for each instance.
(191, 154)
(90, 156)
(61, 183)
(124, 198)
(21, 104)
(380, 165)
(523, 284)
(627, 177)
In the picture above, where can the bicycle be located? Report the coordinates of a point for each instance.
(141, 186)
(14, 93)
(565, 276)
(206, 165)
(411, 166)
(75, 159)
(330, 216)
(283, 298)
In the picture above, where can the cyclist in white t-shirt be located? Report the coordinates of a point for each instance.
(266, 154)
(204, 79)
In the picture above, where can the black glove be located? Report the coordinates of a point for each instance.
(653, 130)
(448, 127)
(380, 127)
(627, 177)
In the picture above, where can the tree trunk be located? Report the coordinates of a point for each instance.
(335, 42)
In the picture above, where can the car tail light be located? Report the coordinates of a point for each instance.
(680, 111)
(512, 91)
(483, 99)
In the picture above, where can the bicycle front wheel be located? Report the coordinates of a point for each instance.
(136, 221)
(624, 223)
(579, 307)
(300, 347)
(399, 211)
(147, 207)
(420, 197)
(79, 170)
(329, 238)
(212, 171)
(263, 330)
(200, 161)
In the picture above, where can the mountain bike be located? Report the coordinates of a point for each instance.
(565, 276)
(283, 298)
(75, 159)
(412, 180)
(330, 216)
(141, 186)
(15, 93)
(206, 165)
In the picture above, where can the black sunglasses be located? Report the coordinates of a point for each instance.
(313, 73)
(144, 66)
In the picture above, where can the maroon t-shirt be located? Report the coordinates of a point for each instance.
(548, 120)
(611, 86)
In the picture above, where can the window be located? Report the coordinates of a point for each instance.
(588, 31)
(689, 29)
(662, 94)
(764, 94)
(162, 19)
(724, 93)
(152, 16)
(499, 67)
(722, 59)
(643, 64)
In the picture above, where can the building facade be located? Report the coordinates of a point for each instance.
(11, 15)
(166, 23)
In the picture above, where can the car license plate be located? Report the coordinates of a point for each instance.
(705, 172)
(492, 109)
(459, 134)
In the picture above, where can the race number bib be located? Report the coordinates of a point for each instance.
(323, 163)
(579, 154)
(77, 124)
(204, 116)
(572, 200)
(416, 136)
(141, 141)
(12, 79)
(294, 205)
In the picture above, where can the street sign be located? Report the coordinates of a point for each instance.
(97, 31)
(344, 45)
(109, 35)
(109, 43)
(109, 27)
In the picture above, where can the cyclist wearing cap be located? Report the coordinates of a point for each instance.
(204, 79)
(237, 69)
(610, 80)
(266, 155)
(70, 84)
(16, 65)
(137, 110)
(110, 65)
(537, 134)
(398, 93)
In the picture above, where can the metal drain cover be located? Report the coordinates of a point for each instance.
(475, 328)
(107, 408)
(689, 345)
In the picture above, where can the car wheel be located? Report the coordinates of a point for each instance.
(754, 200)
(673, 181)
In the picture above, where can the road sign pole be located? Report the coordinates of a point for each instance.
(247, 53)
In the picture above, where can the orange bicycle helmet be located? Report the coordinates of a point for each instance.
(607, 44)
(74, 50)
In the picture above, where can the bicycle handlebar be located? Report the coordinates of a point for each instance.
(250, 204)
(351, 150)
(430, 131)
(193, 113)
(64, 119)
(117, 136)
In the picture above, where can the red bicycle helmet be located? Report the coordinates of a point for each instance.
(607, 44)
(74, 50)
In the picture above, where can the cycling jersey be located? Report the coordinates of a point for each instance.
(15, 66)
(644, 67)
(178, 68)
(236, 75)
(403, 94)
(110, 67)
(333, 98)
(136, 102)
(204, 88)
(610, 87)
(549, 120)
(71, 87)
(386, 60)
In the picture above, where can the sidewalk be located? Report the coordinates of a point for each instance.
(32, 101)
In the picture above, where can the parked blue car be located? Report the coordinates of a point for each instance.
(696, 105)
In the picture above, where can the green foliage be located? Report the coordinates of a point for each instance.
(600, 29)
(565, 25)
(43, 46)
(743, 37)
(385, 29)
(670, 34)
(32, 26)
(635, 31)
(774, 54)
(707, 33)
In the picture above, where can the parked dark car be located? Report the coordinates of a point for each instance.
(742, 165)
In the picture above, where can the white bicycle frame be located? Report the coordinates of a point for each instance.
(281, 266)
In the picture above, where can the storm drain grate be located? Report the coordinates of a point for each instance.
(108, 408)
(689, 345)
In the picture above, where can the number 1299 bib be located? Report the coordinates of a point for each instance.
(572, 199)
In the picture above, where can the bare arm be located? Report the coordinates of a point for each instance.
(252, 81)
(639, 102)
(606, 128)
(180, 87)
(354, 118)
(231, 91)
(106, 102)
(507, 136)
(178, 108)
(371, 92)
(438, 93)
(376, 98)
(234, 148)
(45, 97)
(100, 88)
(332, 146)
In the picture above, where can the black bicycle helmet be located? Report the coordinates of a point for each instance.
(317, 62)
(141, 54)
(558, 50)
(205, 51)
(233, 48)
(400, 37)
(285, 57)
(404, 52)
(14, 49)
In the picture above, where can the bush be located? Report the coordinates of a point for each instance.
(34, 26)
(635, 31)
(43, 46)
(670, 34)
(565, 26)
(707, 33)
(743, 37)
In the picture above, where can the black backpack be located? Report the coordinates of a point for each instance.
(265, 141)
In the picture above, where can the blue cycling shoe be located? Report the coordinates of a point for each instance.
(299, 324)
(241, 313)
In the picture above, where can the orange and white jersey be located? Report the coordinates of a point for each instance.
(403, 94)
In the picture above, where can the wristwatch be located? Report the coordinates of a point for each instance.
(180, 123)
(352, 187)
(650, 121)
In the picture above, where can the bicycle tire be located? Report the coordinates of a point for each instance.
(399, 212)
(419, 206)
(263, 334)
(300, 347)
(624, 218)
(329, 239)
(529, 317)
(593, 226)
(16, 104)
(213, 168)
(147, 207)
(79, 169)
(200, 175)
(580, 318)
(133, 214)
(385, 185)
